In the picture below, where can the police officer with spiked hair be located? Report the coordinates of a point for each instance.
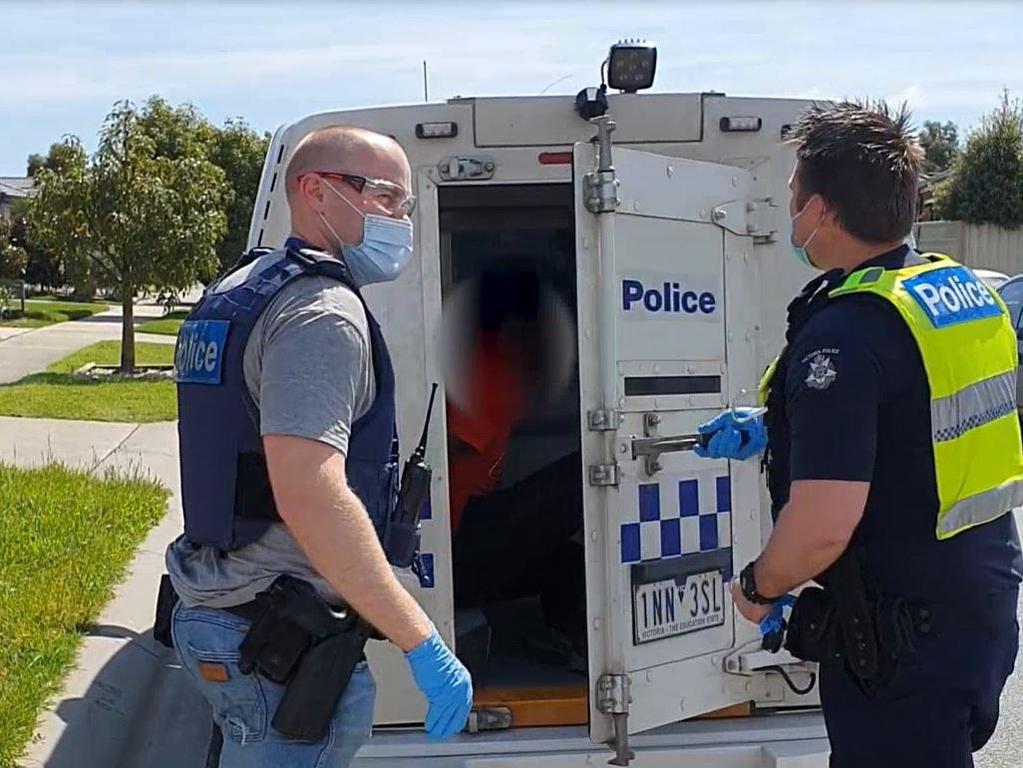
(893, 460)
(289, 474)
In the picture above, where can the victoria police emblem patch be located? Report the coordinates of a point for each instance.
(822, 372)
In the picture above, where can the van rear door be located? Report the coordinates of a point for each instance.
(668, 309)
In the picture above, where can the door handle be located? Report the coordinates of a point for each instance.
(651, 448)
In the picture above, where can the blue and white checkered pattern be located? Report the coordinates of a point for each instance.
(677, 517)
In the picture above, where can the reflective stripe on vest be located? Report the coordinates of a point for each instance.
(968, 348)
(972, 407)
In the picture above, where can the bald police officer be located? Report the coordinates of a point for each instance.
(288, 454)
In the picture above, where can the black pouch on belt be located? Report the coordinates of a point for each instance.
(812, 629)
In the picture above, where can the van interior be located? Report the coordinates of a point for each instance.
(511, 248)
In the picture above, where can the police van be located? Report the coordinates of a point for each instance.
(660, 219)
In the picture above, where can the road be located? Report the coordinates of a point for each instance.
(1005, 750)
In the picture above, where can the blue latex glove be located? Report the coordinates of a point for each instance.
(446, 684)
(736, 435)
(775, 620)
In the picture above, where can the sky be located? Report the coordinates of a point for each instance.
(63, 65)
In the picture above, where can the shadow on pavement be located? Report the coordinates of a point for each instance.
(140, 710)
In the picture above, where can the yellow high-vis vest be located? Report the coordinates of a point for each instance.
(968, 347)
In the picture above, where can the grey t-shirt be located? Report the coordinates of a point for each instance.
(308, 366)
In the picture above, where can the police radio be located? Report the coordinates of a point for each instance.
(403, 531)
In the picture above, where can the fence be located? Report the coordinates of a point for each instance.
(983, 246)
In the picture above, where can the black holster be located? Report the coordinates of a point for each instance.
(166, 600)
(297, 640)
(840, 622)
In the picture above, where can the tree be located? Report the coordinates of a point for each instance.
(59, 155)
(46, 267)
(236, 149)
(35, 163)
(42, 266)
(135, 218)
(987, 185)
(940, 144)
(240, 152)
(177, 132)
(12, 256)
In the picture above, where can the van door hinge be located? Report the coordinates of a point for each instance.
(603, 420)
(752, 218)
(601, 191)
(613, 698)
(603, 474)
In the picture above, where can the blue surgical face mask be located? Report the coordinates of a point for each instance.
(800, 250)
(385, 249)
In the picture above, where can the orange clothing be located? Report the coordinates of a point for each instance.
(479, 437)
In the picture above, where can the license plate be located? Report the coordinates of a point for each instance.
(678, 605)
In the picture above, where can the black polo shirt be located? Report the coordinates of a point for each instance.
(858, 406)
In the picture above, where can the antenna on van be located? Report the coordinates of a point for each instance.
(426, 84)
(554, 83)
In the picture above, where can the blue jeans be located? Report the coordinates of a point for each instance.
(243, 706)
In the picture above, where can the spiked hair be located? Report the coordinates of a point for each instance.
(863, 159)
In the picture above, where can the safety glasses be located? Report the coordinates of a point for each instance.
(388, 195)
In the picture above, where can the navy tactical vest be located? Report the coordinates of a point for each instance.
(225, 489)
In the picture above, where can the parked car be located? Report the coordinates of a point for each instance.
(1011, 292)
(991, 278)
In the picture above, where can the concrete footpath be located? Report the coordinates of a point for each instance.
(126, 703)
(29, 350)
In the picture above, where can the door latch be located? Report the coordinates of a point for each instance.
(466, 168)
(752, 218)
(756, 664)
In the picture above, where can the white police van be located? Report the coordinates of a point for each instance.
(665, 240)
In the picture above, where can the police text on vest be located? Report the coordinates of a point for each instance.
(200, 350)
(952, 295)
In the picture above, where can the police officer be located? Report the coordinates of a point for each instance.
(288, 456)
(893, 460)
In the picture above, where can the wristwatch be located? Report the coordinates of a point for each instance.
(748, 585)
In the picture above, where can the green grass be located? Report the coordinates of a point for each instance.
(40, 313)
(56, 395)
(65, 539)
(168, 325)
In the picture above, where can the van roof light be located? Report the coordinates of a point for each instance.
(631, 65)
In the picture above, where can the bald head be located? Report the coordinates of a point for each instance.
(327, 207)
(344, 149)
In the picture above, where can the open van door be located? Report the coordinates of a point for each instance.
(668, 312)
